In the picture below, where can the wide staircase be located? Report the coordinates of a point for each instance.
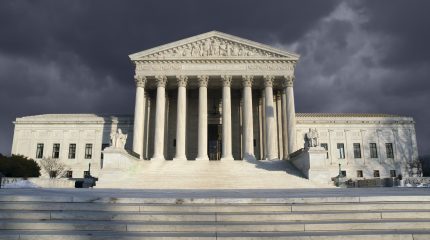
(50, 217)
(180, 174)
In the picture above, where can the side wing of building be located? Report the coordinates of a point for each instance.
(75, 139)
(366, 145)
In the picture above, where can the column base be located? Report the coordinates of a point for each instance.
(156, 158)
(183, 158)
(202, 158)
(249, 157)
(271, 158)
(229, 158)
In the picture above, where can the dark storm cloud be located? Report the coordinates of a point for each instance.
(102, 33)
(369, 56)
(71, 56)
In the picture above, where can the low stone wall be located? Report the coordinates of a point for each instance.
(41, 182)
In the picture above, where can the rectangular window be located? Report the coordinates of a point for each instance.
(359, 173)
(373, 151)
(341, 150)
(389, 150)
(325, 146)
(56, 150)
(88, 151)
(376, 173)
(104, 145)
(72, 151)
(39, 151)
(393, 173)
(69, 174)
(357, 150)
(343, 173)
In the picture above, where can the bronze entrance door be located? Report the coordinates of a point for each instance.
(214, 141)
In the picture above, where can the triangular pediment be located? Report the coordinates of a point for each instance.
(213, 45)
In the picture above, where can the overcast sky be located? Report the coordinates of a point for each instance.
(356, 56)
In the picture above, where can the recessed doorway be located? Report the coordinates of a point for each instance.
(214, 141)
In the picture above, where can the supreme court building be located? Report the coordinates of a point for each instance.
(216, 96)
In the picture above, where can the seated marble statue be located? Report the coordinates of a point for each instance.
(311, 138)
(118, 139)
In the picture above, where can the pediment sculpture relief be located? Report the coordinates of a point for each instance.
(213, 47)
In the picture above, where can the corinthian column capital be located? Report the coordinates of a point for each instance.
(268, 81)
(226, 80)
(203, 80)
(182, 81)
(288, 81)
(247, 80)
(161, 81)
(140, 80)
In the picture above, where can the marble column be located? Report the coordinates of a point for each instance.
(181, 118)
(291, 114)
(270, 119)
(247, 131)
(203, 119)
(284, 122)
(139, 116)
(159, 118)
(226, 119)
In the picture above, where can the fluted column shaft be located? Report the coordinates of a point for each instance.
(284, 124)
(247, 128)
(139, 116)
(226, 119)
(159, 118)
(181, 118)
(291, 114)
(203, 119)
(270, 119)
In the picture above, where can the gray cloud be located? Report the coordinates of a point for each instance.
(361, 56)
(352, 62)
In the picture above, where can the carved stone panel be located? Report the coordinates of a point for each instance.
(211, 47)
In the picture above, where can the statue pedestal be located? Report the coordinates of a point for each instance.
(117, 158)
(312, 163)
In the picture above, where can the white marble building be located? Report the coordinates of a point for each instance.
(219, 97)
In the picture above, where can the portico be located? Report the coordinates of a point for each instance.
(214, 77)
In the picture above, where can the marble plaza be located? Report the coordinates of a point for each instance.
(218, 111)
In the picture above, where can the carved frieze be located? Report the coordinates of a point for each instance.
(172, 68)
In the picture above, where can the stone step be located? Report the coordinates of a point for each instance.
(207, 217)
(133, 226)
(106, 235)
(220, 208)
(214, 200)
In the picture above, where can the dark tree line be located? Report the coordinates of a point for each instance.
(18, 166)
